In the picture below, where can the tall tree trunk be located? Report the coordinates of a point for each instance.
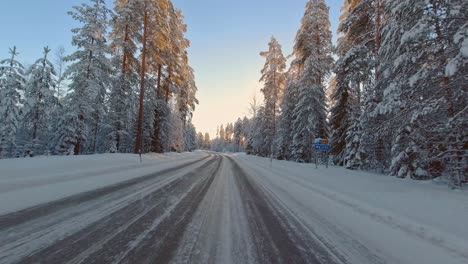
(35, 124)
(167, 87)
(96, 127)
(158, 84)
(81, 115)
(378, 22)
(118, 126)
(77, 150)
(117, 136)
(125, 52)
(379, 144)
(455, 155)
(139, 136)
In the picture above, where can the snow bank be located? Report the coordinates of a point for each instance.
(27, 182)
(408, 221)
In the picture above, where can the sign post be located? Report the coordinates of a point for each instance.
(321, 146)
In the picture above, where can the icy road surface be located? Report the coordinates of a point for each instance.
(213, 208)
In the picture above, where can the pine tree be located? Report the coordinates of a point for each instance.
(153, 12)
(126, 29)
(11, 84)
(353, 72)
(450, 28)
(40, 102)
(200, 140)
(222, 136)
(207, 141)
(190, 134)
(89, 75)
(284, 141)
(273, 77)
(144, 53)
(60, 69)
(238, 135)
(259, 143)
(340, 118)
(312, 49)
(177, 140)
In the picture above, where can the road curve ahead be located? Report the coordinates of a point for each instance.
(206, 211)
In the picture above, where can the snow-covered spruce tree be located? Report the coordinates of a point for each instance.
(200, 140)
(150, 13)
(353, 158)
(126, 31)
(398, 57)
(207, 141)
(148, 106)
(176, 138)
(60, 66)
(353, 71)
(238, 135)
(190, 134)
(246, 123)
(89, 75)
(228, 133)
(273, 77)
(222, 137)
(186, 100)
(161, 128)
(285, 136)
(182, 75)
(362, 25)
(449, 20)
(420, 93)
(176, 80)
(260, 145)
(360, 138)
(40, 102)
(340, 118)
(161, 39)
(12, 82)
(313, 49)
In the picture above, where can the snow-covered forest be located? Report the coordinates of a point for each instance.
(127, 87)
(391, 95)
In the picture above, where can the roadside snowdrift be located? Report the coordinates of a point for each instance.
(27, 182)
(407, 221)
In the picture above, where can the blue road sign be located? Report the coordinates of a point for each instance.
(321, 147)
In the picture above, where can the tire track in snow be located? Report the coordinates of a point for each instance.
(364, 253)
(160, 244)
(219, 231)
(130, 201)
(28, 214)
(278, 239)
(413, 229)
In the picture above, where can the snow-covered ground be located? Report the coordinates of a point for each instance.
(26, 182)
(400, 221)
(222, 208)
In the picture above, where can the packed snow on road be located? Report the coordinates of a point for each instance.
(206, 207)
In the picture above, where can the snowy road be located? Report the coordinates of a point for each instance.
(213, 209)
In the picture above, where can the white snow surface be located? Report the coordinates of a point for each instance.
(398, 221)
(27, 182)
(363, 217)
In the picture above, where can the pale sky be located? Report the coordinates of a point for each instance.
(226, 39)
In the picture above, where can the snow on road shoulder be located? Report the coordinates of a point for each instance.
(379, 210)
(26, 182)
